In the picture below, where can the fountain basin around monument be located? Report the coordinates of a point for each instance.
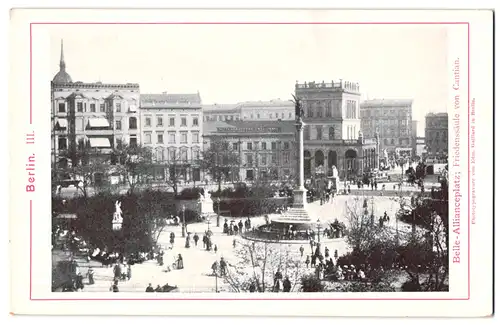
(264, 234)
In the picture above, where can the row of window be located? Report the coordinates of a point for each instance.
(82, 107)
(322, 108)
(221, 118)
(387, 130)
(367, 112)
(174, 154)
(269, 116)
(251, 116)
(264, 146)
(148, 121)
(401, 142)
(172, 137)
(264, 159)
(319, 133)
(394, 121)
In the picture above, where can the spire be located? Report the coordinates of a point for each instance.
(62, 64)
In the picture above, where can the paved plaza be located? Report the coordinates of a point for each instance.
(196, 275)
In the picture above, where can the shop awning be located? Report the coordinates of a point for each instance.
(62, 123)
(99, 143)
(98, 123)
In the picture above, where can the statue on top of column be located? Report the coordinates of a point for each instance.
(299, 111)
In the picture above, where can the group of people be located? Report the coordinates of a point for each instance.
(234, 228)
(122, 271)
(164, 288)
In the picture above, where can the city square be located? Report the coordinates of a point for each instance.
(326, 190)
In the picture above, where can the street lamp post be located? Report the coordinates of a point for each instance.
(218, 211)
(183, 221)
(319, 228)
(216, 284)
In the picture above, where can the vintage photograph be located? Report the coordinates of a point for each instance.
(249, 158)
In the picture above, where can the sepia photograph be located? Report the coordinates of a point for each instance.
(304, 167)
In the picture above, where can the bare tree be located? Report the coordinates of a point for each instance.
(257, 263)
(219, 159)
(176, 171)
(361, 233)
(85, 165)
(135, 164)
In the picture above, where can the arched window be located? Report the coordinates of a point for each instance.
(132, 123)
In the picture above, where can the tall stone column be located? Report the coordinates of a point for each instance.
(300, 192)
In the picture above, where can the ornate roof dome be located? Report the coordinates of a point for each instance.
(62, 76)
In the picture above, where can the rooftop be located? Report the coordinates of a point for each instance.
(170, 100)
(386, 102)
(437, 115)
(344, 85)
(238, 106)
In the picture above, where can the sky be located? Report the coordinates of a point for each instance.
(234, 63)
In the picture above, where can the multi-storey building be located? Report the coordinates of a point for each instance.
(273, 110)
(332, 134)
(436, 135)
(172, 126)
(392, 119)
(221, 112)
(266, 149)
(91, 115)
(420, 150)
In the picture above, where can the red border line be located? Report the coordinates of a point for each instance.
(31, 248)
(468, 159)
(31, 74)
(254, 23)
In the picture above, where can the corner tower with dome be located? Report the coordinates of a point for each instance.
(95, 115)
(62, 77)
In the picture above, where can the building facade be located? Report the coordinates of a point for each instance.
(392, 119)
(273, 110)
(95, 115)
(332, 134)
(172, 126)
(420, 147)
(221, 112)
(266, 150)
(436, 135)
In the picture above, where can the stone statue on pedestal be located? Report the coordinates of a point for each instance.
(117, 216)
(207, 204)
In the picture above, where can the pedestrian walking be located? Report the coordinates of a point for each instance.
(129, 271)
(301, 249)
(196, 238)
(90, 274)
(223, 266)
(215, 248)
(215, 266)
(308, 261)
(114, 287)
